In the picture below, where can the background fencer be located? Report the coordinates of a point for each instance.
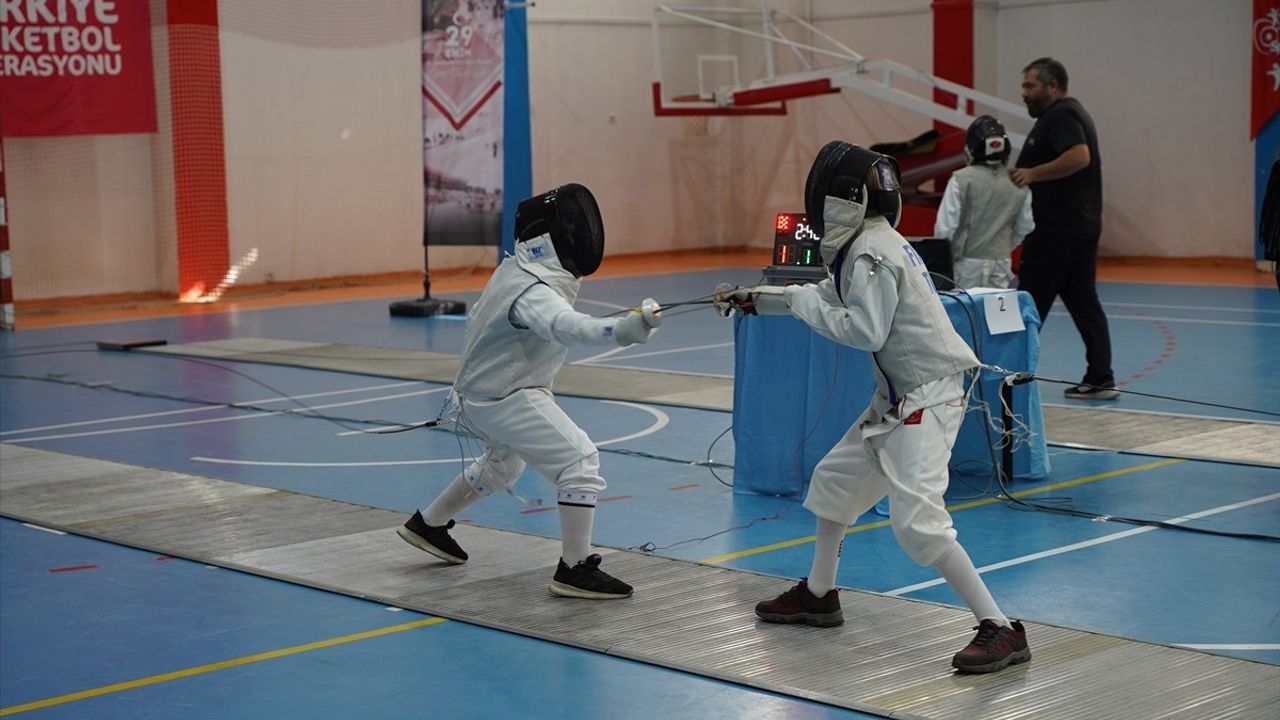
(983, 213)
(879, 298)
(517, 336)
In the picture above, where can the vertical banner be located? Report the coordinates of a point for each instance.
(6, 274)
(462, 120)
(1265, 98)
(79, 67)
(1264, 101)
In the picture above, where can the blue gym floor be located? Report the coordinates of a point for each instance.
(91, 629)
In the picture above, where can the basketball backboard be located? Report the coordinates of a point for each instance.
(751, 61)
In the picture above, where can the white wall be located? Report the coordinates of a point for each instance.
(322, 116)
(86, 212)
(659, 184)
(322, 112)
(1167, 84)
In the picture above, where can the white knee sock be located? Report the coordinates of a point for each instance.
(826, 556)
(453, 500)
(958, 570)
(575, 532)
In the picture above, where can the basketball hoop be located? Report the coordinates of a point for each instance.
(695, 125)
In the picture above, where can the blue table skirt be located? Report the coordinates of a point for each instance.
(796, 393)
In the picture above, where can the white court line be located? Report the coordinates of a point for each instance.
(601, 356)
(234, 418)
(43, 529)
(669, 352)
(602, 303)
(610, 353)
(661, 420)
(1192, 307)
(1111, 316)
(122, 418)
(1090, 543)
(357, 463)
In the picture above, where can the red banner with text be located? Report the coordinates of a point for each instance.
(1265, 99)
(76, 67)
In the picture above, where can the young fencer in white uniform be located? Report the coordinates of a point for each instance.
(879, 298)
(518, 334)
(983, 214)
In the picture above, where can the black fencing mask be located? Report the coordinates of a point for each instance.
(571, 216)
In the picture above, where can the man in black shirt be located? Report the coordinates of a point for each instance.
(1269, 228)
(1061, 163)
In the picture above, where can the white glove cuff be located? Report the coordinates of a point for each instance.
(771, 299)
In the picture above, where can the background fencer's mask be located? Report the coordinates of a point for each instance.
(570, 215)
(986, 142)
(846, 185)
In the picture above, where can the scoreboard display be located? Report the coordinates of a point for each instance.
(795, 244)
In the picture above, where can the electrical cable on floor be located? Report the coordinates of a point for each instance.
(1059, 506)
(303, 410)
(649, 547)
(1062, 504)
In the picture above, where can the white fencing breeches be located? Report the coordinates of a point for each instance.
(974, 272)
(529, 427)
(905, 457)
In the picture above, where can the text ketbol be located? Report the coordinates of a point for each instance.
(46, 38)
(76, 67)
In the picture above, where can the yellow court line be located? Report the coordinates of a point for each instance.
(716, 559)
(211, 667)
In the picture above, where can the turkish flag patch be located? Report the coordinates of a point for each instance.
(914, 418)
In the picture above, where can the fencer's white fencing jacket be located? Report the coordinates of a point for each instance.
(497, 357)
(983, 213)
(888, 307)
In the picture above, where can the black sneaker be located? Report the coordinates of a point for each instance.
(994, 648)
(1083, 391)
(432, 538)
(799, 605)
(587, 580)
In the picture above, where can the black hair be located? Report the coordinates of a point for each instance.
(1049, 70)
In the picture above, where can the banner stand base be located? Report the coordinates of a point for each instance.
(427, 307)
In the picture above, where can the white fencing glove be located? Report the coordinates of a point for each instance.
(637, 325)
(761, 299)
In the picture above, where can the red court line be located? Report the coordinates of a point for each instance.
(73, 568)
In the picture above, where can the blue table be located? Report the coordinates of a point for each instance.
(795, 394)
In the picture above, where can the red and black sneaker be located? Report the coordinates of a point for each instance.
(994, 648)
(799, 605)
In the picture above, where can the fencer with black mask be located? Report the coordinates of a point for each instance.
(517, 337)
(983, 213)
(879, 298)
